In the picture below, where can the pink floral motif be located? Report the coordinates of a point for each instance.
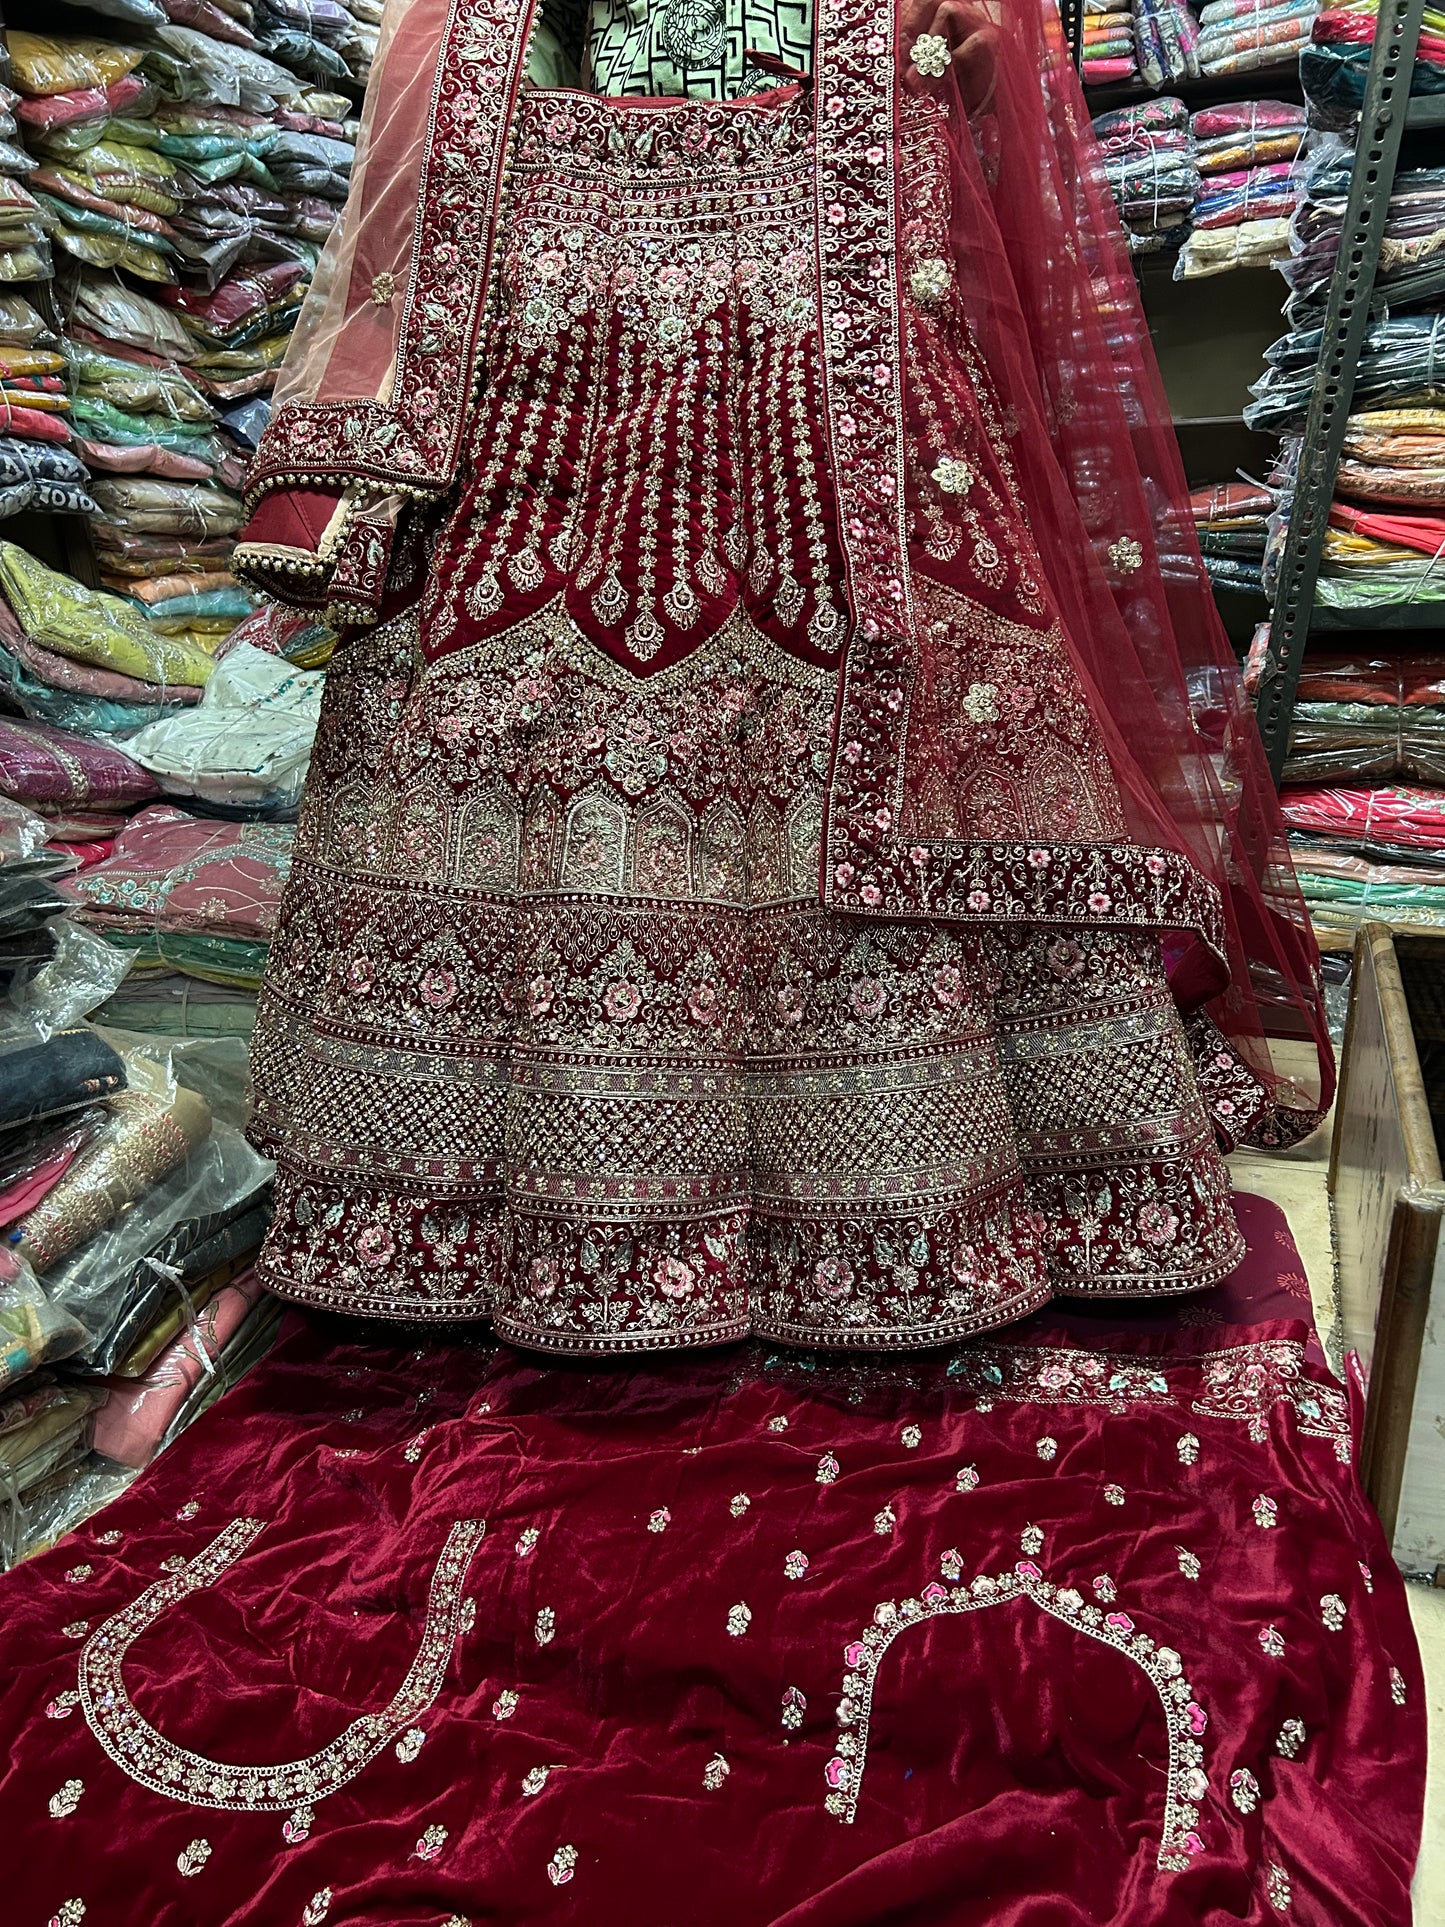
(621, 1000)
(375, 1245)
(948, 986)
(838, 1772)
(833, 1278)
(703, 1005)
(1026, 1569)
(790, 1004)
(543, 1277)
(868, 997)
(855, 1654)
(674, 1278)
(540, 993)
(439, 988)
(933, 1592)
(1066, 958)
(1119, 1623)
(1157, 1223)
(1196, 1717)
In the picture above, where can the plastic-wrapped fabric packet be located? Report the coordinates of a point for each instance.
(172, 872)
(145, 1136)
(248, 742)
(1167, 40)
(1253, 194)
(209, 1212)
(257, 1334)
(91, 626)
(34, 1329)
(113, 312)
(191, 66)
(1247, 244)
(34, 1525)
(42, 64)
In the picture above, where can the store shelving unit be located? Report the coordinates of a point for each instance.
(1387, 116)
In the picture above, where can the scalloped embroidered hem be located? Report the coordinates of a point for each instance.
(1123, 1285)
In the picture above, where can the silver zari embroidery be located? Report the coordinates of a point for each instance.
(158, 1763)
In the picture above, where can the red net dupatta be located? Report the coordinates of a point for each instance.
(1039, 716)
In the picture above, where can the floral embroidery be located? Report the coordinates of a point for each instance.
(828, 1469)
(316, 1908)
(931, 55)
(1291, 1739)
(795, 1566)
(410, 1744)
(189, 1510)
(715, 1772)
(1271, 1642)
(175, 1562)
(166, 1768)
(79, 1574)
(660, 1520)
(1047, 1448)
(1105, 1589)
(1332, 1611)
(191, 1859)
(534, 1779)
(430, 1844)
(296, 1827)
(562, 1866)
(738, 1504)
(778, 1424)
(1248, 1381)
(527, 1542)
(912, 1438)
(1188, 1449)
(111, 1537)
(466, 1615)
(795, 1705)
(1185, 1719)
(951, 1564)
(740, 1617)
(966, 1479)
(1188, 1562)
(62, 1706)
(1244, 1789)
(69, 1913)
(66, 1800)
(1031, 1539)
(980, 702)
(545, 1626)
(885, 1521)
(1366, 1575)
(1266, 1512)
(1127, 555)
(504, 1705)
(1397, 1686)
(413, 1450)
(1277, 1888)
(1114, 1494)
(77, 1629)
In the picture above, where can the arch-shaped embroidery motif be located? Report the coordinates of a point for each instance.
(158, 1763)
(1184, 1719)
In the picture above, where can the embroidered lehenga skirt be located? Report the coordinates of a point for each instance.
(557, 1031)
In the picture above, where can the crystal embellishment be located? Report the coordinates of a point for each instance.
(1127, 555)
(64, 1803)
(953, 475)
(931, 55)
(562, 1866)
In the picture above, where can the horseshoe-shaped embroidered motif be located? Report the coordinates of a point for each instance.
(156, 1762)
(1184, 1718)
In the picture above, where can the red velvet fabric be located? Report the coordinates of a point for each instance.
(1186, 1476)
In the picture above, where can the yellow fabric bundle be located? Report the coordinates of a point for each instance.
(90, 626)
(62, 64)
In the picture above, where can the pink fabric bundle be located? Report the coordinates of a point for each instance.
(179, 873)
(60, 672)
(1394, 813)
(46, 766)
(130, 1425)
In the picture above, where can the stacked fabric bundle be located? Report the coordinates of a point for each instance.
(1231, 521)
(1248, 36)
(1334, 63)
(1245, 152)
(1369, 716)
(190, 895)
(204, 159)
(1166, 36)
(132, 1218)
(1369, 852)
(1109, 56)
(1150, 166)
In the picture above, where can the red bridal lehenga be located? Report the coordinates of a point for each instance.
(770, 868)
(785, 854)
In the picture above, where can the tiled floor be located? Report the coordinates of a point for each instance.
(1296, 1182)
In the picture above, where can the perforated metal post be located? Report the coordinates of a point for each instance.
(1347, 316)
(1071, 12)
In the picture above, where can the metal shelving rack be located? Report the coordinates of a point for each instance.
(1351, 304)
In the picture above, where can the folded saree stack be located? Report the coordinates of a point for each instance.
(1231, 521)
(1109, 54)
(1151, 171)
(1251, 36)
(1334, 63)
